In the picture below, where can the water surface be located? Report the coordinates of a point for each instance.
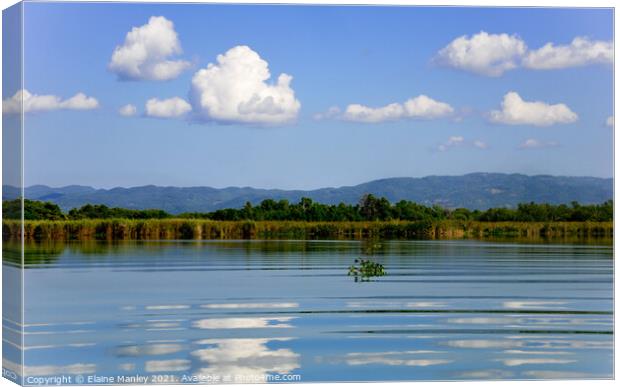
(253, 310)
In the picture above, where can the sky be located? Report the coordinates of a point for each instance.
(302, 97)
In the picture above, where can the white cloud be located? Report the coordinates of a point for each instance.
(167, 108)
(249, 359)
(166, 307)
(610, 121)
(146, 52)
(480, 144)
(426, 107)
(236, 90)
(395, 358)
(80, 101)
(38, 103)
(493, 54)
(360, 113)
(532, 143)
(127, 110)
(244, 322)
(580, 52)
(420, 107)
(483, 53)
(516, 111)
(149, 349)
(332, 112)
(452, 142)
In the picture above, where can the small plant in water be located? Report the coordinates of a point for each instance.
(365, 269)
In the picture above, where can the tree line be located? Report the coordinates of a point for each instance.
(369, 208)
(38, 210)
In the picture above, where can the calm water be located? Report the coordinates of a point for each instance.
(181, 311)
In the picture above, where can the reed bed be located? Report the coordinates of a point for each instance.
(197, 229)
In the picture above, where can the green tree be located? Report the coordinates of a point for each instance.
(33, 210)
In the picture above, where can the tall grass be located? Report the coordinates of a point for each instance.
(156, 229)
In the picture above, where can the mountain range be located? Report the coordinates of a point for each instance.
(473, 191)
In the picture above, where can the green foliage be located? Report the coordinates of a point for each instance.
(366, 269)
(533, 212)
(369, 208)
(33, 210)
(100, 211)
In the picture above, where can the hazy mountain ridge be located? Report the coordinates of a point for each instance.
(474, 191)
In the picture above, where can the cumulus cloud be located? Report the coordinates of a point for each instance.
(167, 108)
(426, 107)
(493, 54)
(252, 358)
(236, 89)
(580, 52)
(127, 110)
(532, 143)
(610, 121)
(420, 107)
(516, 111)
(483, 53)
(38, 103)
(80, 101)
(360, 113)
(147, 51)
(452, 142)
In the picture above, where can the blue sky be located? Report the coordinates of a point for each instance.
(337, 57)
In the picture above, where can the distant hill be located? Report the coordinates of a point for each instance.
(473, 191)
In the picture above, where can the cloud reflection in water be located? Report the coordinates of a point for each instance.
(245, 358)
(244, 322)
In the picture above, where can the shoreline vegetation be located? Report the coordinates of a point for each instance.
(371, 218)
(201, 229)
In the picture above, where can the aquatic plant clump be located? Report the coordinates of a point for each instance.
(366, 269)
